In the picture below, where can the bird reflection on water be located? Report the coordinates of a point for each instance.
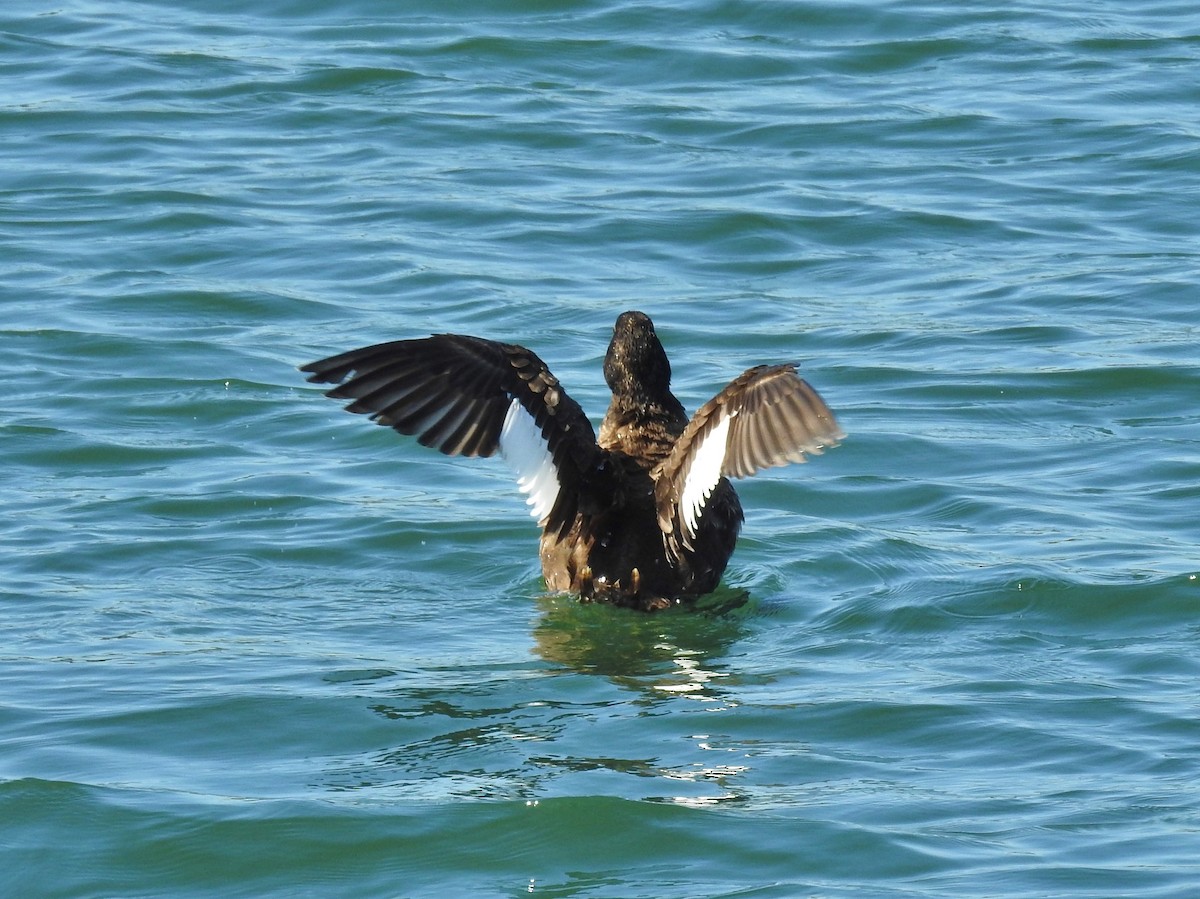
(594, 639)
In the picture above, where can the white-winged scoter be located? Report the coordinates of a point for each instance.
(642, 515)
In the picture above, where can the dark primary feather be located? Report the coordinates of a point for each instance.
(453, 392)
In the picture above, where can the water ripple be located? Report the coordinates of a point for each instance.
(252, 643)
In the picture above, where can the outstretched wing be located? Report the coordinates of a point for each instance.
(766, 416)
(471, 397)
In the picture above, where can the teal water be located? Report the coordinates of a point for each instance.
(256, 647)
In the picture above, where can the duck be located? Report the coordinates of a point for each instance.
(641, 515)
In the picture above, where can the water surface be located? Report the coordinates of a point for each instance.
(255, 646)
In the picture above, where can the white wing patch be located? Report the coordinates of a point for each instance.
(527, 454)
(703, 474)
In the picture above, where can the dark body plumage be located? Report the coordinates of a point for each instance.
(642, 514)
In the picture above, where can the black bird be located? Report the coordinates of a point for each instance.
(640, 517)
